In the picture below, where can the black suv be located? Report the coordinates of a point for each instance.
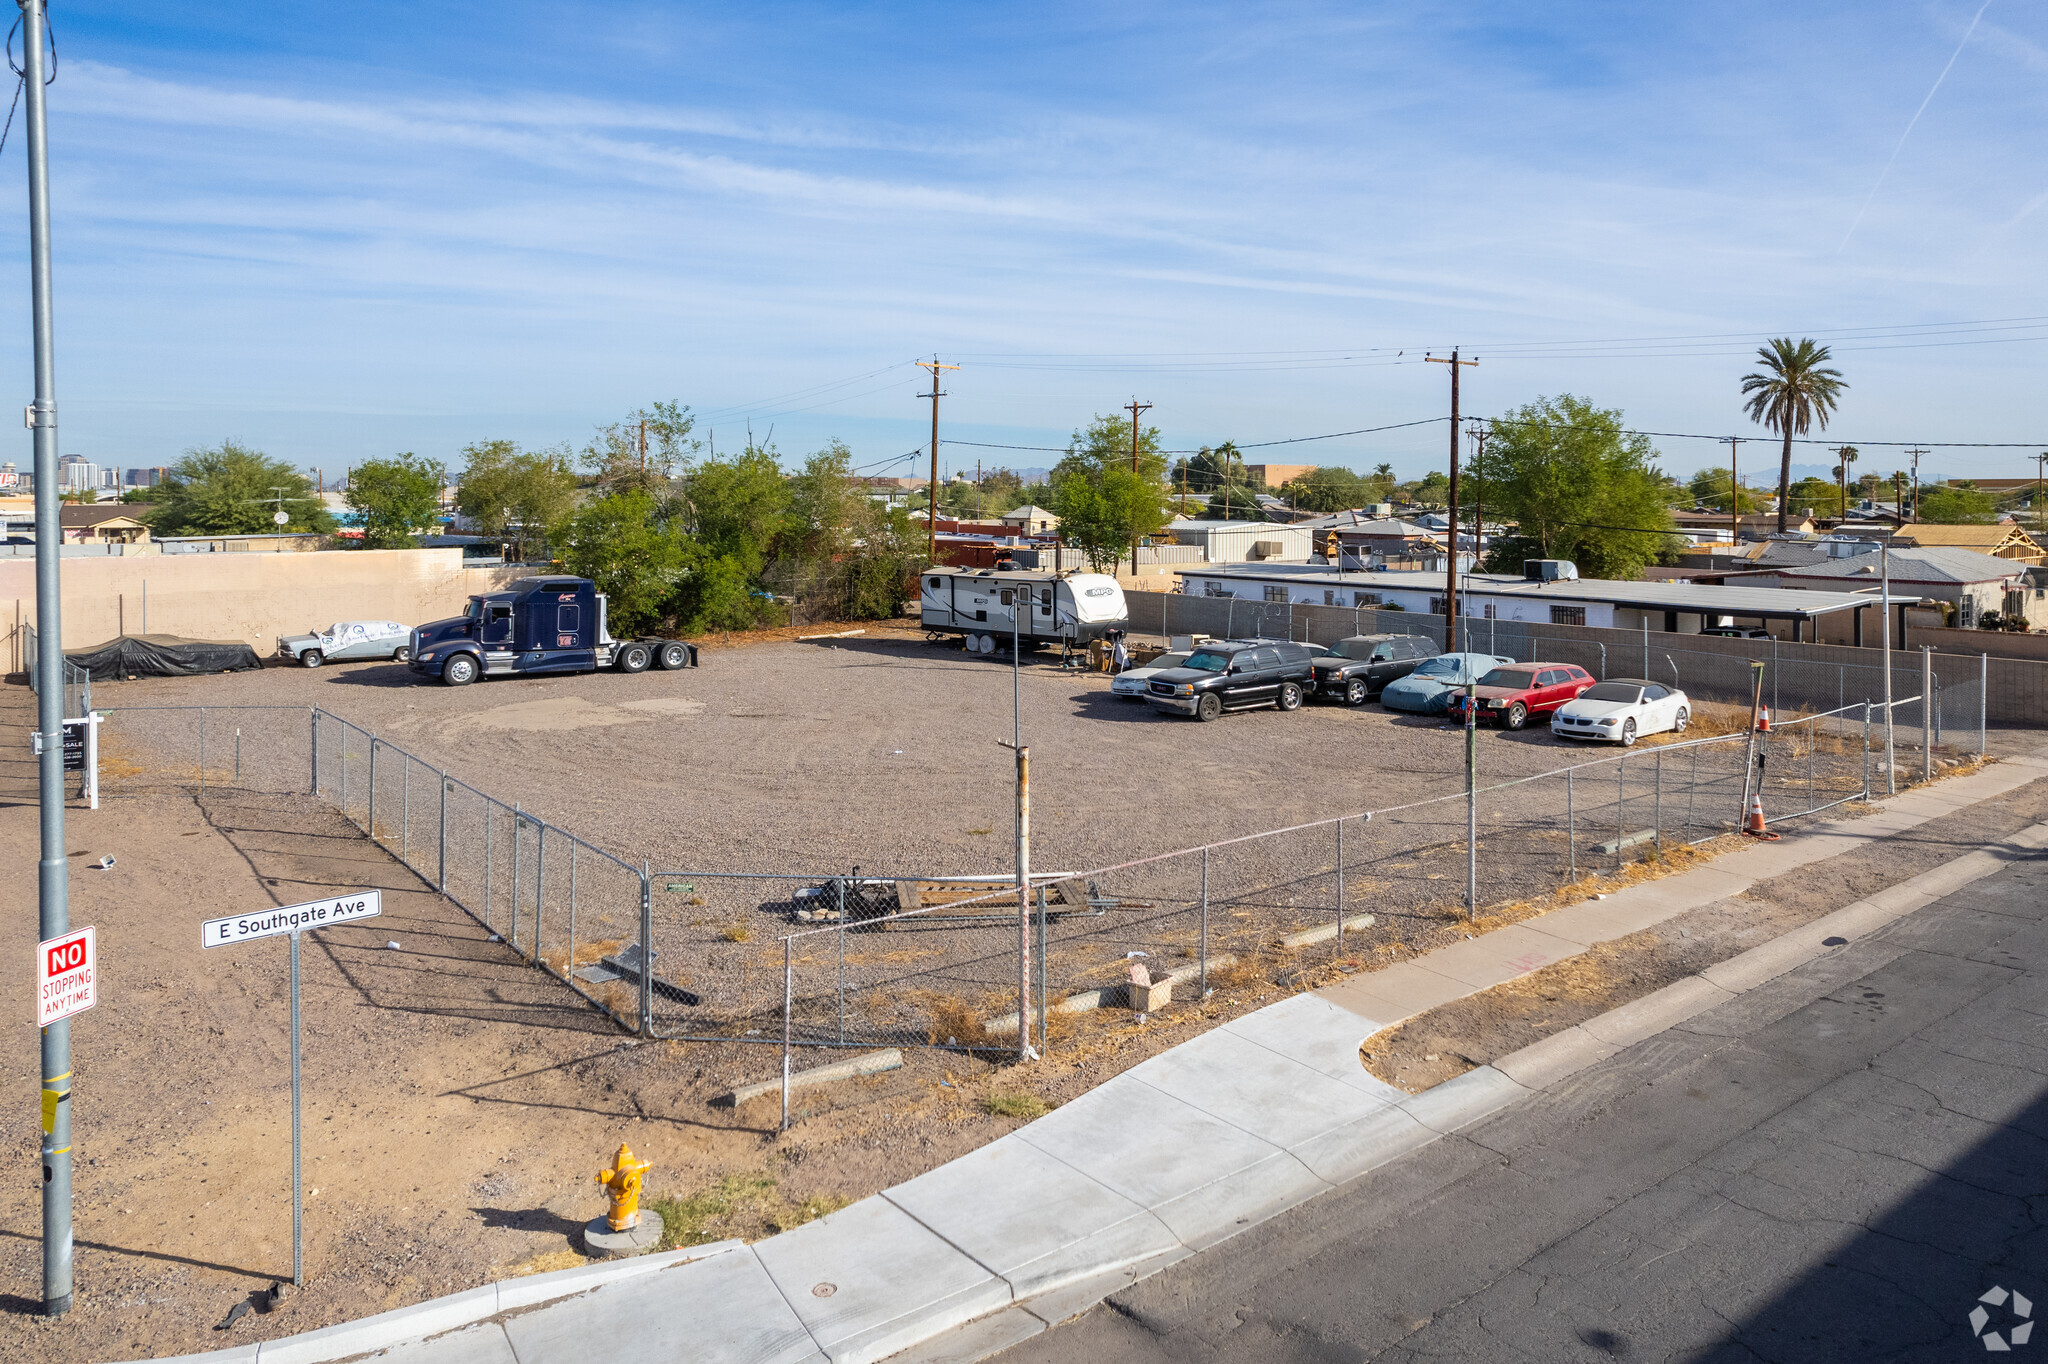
(1235, 674)
(1359, 667)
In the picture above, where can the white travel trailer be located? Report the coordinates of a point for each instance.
(986, 604)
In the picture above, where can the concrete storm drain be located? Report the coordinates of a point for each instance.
(2018, 1329)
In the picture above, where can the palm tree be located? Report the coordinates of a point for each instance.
(1795, 390)
(1847, 454)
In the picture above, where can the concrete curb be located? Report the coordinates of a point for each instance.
(367, 1335)
(871, 1063)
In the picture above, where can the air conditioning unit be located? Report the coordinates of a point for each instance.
(1267, 549)
(1549, 571)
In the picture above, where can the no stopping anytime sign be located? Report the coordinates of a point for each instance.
(268, 923)
(67, 976)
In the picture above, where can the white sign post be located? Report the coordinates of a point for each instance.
(67, 976)
(292, 920)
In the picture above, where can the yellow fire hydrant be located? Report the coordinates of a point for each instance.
(622, 1186)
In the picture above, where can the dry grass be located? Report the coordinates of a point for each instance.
(748, 1205)
(736, 933)
(1026, 1106)
(545, 1263)
(954, 1022)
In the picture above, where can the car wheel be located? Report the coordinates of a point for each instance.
(401, 654)
(1681, 720)
(312, 658)
(1517, 716)
(1208, 706)
(1355, 693)
(1290, 696)
(634, 658)
(669, 657)
(460, 670)
(1628, 733)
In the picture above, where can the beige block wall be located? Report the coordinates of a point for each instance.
(249, 597)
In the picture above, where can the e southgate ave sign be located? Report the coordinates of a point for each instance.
(269, 923)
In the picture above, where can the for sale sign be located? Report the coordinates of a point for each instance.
(361, 904)
(67, 977)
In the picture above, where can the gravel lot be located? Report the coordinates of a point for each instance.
(882, 751)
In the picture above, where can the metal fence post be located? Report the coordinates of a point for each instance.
(372, 820)
(1692, 793)
(488, 822)
(841, 936)
(343, 763)
(1812, 734)
(788, 1002)
(518, 818)
(1983, 700)
(540, 892)
(1657, 807)
(202, 750)
(238, 756)
(1866, 752)
(572, 909)
(1571, 839)
(1205, 922)
(1926, 712)
(1041, 972)
(647, 978)
(1620, 805)
(404, 805)
(1340, 884)
(441, 834)
(315, 712)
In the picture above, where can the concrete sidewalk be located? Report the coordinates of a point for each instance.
(1172, 1156)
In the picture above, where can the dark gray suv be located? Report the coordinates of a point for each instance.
(1235, 674)
(1359, 667)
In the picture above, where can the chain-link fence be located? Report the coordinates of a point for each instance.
(874, 958)
(77, 681)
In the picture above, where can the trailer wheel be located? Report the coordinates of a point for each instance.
(634, 657)
(460, 670)
(671, 656)
(1208, 706)
(312, 658)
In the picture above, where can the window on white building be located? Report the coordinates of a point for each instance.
(1567, 615)
(1276, 594)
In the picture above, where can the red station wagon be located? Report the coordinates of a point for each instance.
(1513, 693)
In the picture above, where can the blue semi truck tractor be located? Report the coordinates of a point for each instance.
(545, 624)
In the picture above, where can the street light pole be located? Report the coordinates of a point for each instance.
(53, 899)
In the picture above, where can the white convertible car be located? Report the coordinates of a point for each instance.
(1622, 710)
(346, 641)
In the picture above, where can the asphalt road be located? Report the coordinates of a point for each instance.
(1834, 1166)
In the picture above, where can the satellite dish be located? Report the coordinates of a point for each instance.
(279, 518)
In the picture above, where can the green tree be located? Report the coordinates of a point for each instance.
(1814, 496)
(1234, 502)
(520, 495)
(636, 558)
(1578, 487)
(646, 452)
(230, 489)
(1709, 488)
(1113, 505)
(1209, 469)
(735, 506)
(395, 499)
(1329, 489)
(1433, 489)
(1958, 503)
(85, 495)
(841, 553)
(1793, 391)
(1845, 457)
(142, 495)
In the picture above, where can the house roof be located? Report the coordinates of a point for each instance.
(1028, 512)
(74, 516)
(1983, 538)
(1939, 564)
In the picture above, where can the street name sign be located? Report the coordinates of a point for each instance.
(67, 976)
(269, 923)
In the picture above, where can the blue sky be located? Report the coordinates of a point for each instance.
(341, 231)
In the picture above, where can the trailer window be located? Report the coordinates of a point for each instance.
(568, 619)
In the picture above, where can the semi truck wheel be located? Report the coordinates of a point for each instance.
(669, 657)
(634, 658)
(460, 670)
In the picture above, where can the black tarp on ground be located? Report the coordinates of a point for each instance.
(163, 656)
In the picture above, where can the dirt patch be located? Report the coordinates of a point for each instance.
(1479, 1029)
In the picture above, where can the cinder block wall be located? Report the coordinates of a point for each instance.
(1806, 676)
(249, 597)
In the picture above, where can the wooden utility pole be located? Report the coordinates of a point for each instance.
(1734, 498)
(1451, 571)
(1478, 432)
(931, 492)
(1914, 454)
(1134, 407)
(2040, 485)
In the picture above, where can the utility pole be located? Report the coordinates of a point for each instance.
(643, 449)
(1134, 407)
(2040, 485)
(53, 890)
(1734, 498)
(931, 493)
(1477, 433)
(1451, 572)
(977, 490)
(1914, 454)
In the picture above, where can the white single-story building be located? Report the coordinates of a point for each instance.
(1237, 542)
(1675, 607)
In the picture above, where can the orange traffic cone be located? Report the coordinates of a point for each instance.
(1754, 824)
(1763, 720)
